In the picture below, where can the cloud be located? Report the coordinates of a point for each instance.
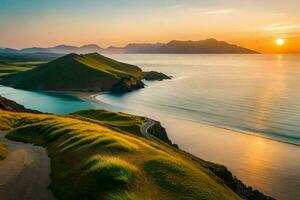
(277, 28)
(220, 11)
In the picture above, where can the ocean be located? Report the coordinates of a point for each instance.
(258, 94)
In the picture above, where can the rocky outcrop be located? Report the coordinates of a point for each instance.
(155, 76)
(236, 185)
(160, 132)
(9, 105)
(127, 85)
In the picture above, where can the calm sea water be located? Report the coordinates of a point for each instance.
(209, 107)
(252, 93)
(211, 95)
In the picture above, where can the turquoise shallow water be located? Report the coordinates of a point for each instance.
(46, 102)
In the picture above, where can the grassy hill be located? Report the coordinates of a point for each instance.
(16, 62)
(9, 105)
(121, 122)
(93, 161)
(11, 64)
(89, 72)
(97, 154)
(8, 69)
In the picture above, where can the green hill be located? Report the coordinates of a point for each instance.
(103, 155)
(93, 161)
(89, 72)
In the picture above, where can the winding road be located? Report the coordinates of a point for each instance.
(146, 125)
(25, 172)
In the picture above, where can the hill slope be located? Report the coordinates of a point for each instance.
(89, 72)
(92, 159)
(9, 105)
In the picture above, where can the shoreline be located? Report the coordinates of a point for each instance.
(227, 147)
(92, 96)
(232, 181)
(209, 145)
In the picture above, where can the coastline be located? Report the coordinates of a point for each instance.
(249, 157)
(226, 146)
(92, 97)
(232, 181)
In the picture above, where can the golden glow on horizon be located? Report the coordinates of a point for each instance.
(280, 41)
(244, 26)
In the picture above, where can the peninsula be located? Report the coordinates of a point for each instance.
(85, 72)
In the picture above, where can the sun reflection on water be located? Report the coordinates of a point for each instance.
(269, 93)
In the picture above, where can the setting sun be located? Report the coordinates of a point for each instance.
(280, 41)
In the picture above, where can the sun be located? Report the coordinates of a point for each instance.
(280, 41)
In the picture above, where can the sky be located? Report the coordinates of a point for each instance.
(254, 24)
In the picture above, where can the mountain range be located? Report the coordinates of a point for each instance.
(208, 46)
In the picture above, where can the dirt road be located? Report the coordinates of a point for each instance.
(25, 172)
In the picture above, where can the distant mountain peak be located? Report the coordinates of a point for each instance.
(206, 46)
(70, 55)
(90, 46)
(64, 46)
(211, 39)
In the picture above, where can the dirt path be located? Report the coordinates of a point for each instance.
(25, 172)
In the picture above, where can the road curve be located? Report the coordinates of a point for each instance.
(146, 125)
(25, 172)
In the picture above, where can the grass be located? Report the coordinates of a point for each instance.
(66, 74)
(129, 124)
(10, 66)
(181, 181)
(29, 64)
(3, 150)
(92, 160)
(123, 196)
(9, 69)
(99, 62)
(104, 174)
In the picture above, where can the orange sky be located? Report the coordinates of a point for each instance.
(254, 25)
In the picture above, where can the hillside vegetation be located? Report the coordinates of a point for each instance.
(116, 120)
(9, 105)
(97, 154)
(94, 161)
(90, 72)
(15, 62)
(9, 67)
